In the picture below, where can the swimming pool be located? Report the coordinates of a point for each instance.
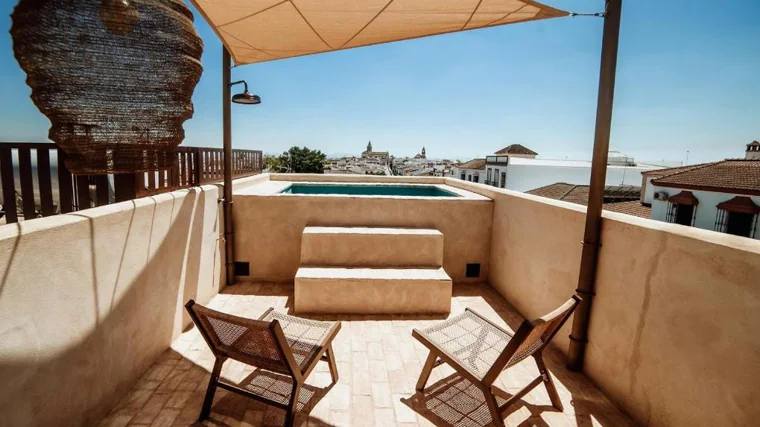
(370, 190)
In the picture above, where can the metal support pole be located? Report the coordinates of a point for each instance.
(590, 253)
(229, 231)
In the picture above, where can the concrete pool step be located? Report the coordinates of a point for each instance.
(372, 290)
(371, 247)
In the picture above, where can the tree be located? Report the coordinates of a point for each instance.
(303, 160)
(274, 164)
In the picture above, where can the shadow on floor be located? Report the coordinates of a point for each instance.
(454, 401)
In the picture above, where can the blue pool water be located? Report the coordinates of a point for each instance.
(370, 190)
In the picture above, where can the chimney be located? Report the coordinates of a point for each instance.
(753, 151)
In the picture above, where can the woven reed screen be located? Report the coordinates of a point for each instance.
(115, 78)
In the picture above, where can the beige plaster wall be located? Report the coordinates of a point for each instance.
(268, 228)
(89, 300)
(673, 336)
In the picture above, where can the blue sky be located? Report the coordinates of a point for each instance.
(688, 79)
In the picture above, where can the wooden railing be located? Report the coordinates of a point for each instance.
(53, 189)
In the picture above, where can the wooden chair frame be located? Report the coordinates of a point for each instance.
(437, 357)
(324, 353)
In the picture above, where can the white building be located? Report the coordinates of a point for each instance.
(523, 174)
(516, 168)
(723, 196)
(473, 170)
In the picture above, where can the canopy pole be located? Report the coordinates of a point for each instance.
(590, 252)
(229, 231)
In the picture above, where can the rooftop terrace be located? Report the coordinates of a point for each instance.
(379, 363)
(93, 328)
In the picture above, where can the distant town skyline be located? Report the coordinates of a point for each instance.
(687, 80)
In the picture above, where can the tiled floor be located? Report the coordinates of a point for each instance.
(379, 363)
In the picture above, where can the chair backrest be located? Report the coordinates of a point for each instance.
(541, 331)
(253, 342)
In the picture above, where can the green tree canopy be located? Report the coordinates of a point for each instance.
(303, 160)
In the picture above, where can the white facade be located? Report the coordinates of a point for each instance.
(527, 174)
(473, 175)
(706, 212)
(523, 174)
(648, 190)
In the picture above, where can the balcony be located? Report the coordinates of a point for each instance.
(93, 331)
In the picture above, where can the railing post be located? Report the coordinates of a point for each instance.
(196, 180)
(125, 186)
(9, 185)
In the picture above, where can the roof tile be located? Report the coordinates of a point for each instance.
(517, 149)
(731, 175)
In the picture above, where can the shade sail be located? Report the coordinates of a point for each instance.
(265, 30)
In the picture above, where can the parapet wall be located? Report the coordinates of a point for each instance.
(88, 300)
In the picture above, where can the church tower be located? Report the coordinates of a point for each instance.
(423, 153)
(369, 147)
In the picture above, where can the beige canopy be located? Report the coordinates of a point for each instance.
(265, 30)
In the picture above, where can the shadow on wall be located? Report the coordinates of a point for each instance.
(108, 343)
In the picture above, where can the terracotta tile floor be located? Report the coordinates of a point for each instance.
(379, 363)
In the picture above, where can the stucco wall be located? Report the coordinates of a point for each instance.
(268, 228)
(673, 325)
(707, 210)
(89, 300)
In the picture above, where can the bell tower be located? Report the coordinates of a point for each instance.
(753, 151)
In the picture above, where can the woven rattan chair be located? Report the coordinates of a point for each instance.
(276, 342)
(480, 350)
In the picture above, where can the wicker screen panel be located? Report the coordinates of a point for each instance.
(115, 78)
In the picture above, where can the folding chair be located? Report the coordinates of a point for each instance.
(276, 342)
(480, 350)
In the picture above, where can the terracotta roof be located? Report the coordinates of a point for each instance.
(473, 164)
(740, 204)
(516, 149)
(579, 193)
(684, 198)
(739, 176)
(634, 207)
(670, 171)
(617, 198)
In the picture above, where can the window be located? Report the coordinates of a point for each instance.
(682, 209)
(469, 177)
(488, 176)
(737, 216)
(503, 179)
(475, 178)
(463, 176)
(740, 224)
(495, 182)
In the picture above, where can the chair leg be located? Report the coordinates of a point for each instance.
(293, 405)
(211, 390)
(426, 370)
(548, 382)
(333, 365)
(493, 406)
